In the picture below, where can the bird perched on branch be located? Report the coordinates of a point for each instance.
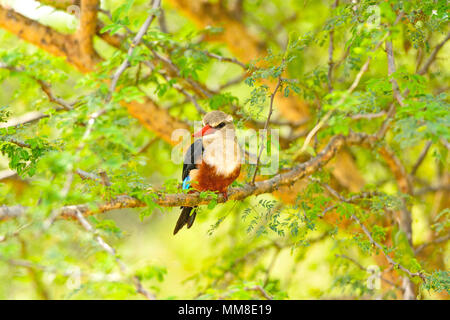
(212, 162)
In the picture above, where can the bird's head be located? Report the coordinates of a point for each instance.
(216, 124)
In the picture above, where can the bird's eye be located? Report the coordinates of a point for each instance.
(220, 125)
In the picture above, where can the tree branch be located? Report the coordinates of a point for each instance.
(181, 199)
(330, 53)
(56, 43)
(24, 119)
(433, 55)
(391, 69)
(136, 40)
(422, 156)
(371, 239)
(110, 250)
(61, 4)
(46, 88)
(88, 28)
(360, 266)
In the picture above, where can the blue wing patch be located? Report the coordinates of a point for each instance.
(186, 183)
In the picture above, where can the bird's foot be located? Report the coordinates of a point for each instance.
(225, 195)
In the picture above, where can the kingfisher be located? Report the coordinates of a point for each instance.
(212, 162)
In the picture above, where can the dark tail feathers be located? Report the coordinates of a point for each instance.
(185, 218)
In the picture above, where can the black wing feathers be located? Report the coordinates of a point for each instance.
(191, 158)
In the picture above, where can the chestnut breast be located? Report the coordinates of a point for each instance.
(208, 179)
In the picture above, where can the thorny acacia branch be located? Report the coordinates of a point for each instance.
(181, 199)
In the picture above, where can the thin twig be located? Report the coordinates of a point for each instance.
(360, 266)
(432, 242)
(24, 119)
(260, 290)
(424, 190)
(123, 268)
(330, 53)
(355, 83)
(232, 82)
(370, 237)
(391, 69)
(179, 88)
(135, 42)
(368, 116)
(14, 233)
(225, 59)
(433, 55)
(46, 88)
(266, 125)
(102, 178)
(422, 156)
(390, 260)
(16, 142)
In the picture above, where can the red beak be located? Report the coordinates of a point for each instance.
(204, 131)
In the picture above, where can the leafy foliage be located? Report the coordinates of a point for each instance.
(317, 237)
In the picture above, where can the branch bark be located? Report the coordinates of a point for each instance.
(88, 28)
(54, 42)
(175, 200)
(61, 4)
(433, 55)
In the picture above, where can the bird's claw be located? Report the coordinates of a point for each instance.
(225, 195)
